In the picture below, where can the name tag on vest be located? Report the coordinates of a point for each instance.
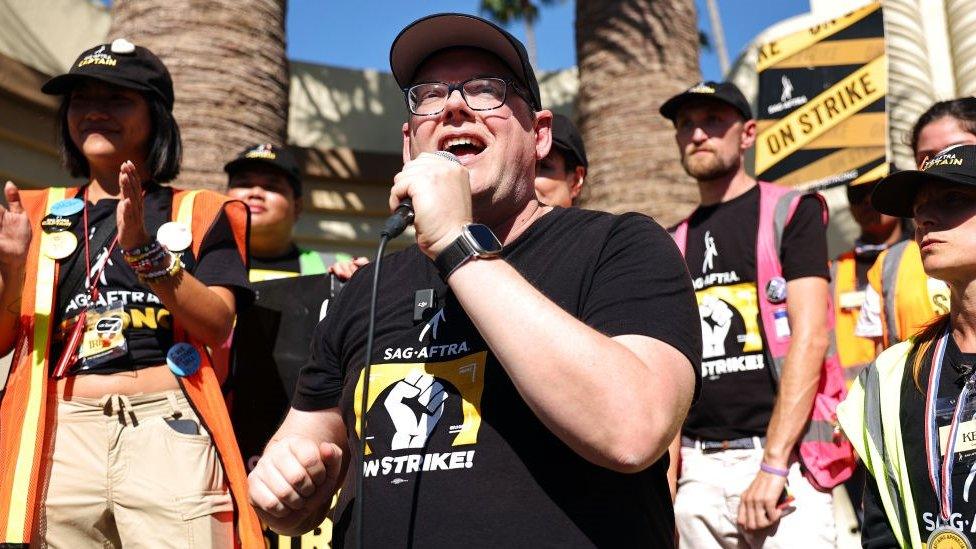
(850, 300)
(965, 438)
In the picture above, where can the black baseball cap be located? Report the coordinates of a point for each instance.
(725, 92)
(567, 139)
(267, 154)
(428, 35)
(895, 194)
(121, 63)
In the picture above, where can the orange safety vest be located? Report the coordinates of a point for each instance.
(855, 353)
(27, 411)
(909, 298)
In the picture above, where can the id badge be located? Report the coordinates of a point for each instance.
(966, 435)
(103, 340)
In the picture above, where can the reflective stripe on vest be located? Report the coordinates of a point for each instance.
(27, 453)
(870, 417)
(202, 388)
(889, 284)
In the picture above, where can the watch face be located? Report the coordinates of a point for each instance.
(485, 239)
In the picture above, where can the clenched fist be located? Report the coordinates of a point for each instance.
(293, 483)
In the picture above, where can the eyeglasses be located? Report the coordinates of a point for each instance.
(480, 94)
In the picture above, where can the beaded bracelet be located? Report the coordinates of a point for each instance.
(175, 266)
(774, 470)
(148, 263)
(143, 250)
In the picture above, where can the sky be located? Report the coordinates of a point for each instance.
(358, 33)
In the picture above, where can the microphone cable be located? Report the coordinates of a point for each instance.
(395, 225)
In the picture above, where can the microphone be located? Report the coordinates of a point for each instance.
(403, 214)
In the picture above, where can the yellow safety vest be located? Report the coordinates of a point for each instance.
(909, 298)
(855, 353)
(870, 419)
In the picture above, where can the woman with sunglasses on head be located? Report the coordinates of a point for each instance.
(113, 429)
(910, 414)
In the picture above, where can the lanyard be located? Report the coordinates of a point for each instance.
(940, 470)
(69, 354)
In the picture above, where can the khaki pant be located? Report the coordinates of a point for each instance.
(121, 475)
(707, 504)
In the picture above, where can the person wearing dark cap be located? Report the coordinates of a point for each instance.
(900, 298)
(921, 390)
(535, 384)
(849, 272)
(267, 178)
(559, 176)
(757, 254)
(115, 431)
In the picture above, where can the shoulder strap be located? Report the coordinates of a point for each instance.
(889, 281)
(199, 210)
(680, 235)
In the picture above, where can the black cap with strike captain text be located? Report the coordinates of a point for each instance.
(895, 194)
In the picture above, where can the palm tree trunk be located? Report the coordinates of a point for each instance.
(230, 73)
(632, 56)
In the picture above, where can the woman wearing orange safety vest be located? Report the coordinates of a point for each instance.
(849, 271)
(900, 297)
(113, 429)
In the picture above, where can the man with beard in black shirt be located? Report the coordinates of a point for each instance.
(533, 404)
(738, 446)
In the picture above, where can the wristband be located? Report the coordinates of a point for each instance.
(774, 470)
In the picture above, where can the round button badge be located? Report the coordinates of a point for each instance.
(183, 359)
(58, 245)
(67, 207)
(175, 236)
(54, 223)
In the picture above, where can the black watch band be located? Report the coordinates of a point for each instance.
(453, 257)
(475, 240)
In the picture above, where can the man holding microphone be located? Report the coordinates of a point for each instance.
(533, 383)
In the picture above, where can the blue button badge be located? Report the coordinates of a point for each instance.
(67, 207)
(183, 359)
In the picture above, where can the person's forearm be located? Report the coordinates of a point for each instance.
(11, 290)
(613, 407)
(797, 388)
(204, 313)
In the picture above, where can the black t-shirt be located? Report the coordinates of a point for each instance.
(287, 263)
(738, 389)
(148, 330)
(457, 458)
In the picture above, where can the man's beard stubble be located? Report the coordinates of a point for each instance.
(708, 167)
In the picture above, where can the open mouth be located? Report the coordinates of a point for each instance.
(463, 147)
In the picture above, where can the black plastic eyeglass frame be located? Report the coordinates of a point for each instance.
(510, 83)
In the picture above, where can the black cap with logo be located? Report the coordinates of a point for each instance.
(725, 92)
(428, 35)
(895, 194)
(567, 139)
(266, 154)
(121, 63)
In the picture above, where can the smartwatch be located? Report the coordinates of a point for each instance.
(475, 240)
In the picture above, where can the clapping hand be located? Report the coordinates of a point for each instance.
(15, 231)
(130, 215)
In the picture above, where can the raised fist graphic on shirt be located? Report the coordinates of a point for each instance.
(716, 319)
(415, 404)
